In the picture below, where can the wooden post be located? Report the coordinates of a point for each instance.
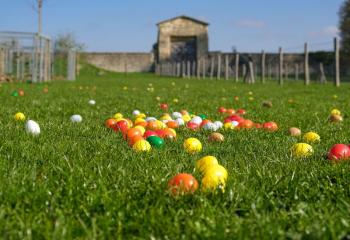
(188, 69)
(269, 71)
(244, 70)
(193, 72)
(323, 78)
(237, 67)
(219, 67)
(198, 69)
(306, 65)
(204, 69)
(337, 63)
(280, 67)
(211, 68)
(296, 67)
(183, 69)
(226, 67)
(251, 73)
(263, 58)
(2, 61)
(178, 69)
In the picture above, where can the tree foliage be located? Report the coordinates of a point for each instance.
(67, 41)
(344, 26)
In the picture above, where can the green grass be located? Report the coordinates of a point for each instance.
(83, 181)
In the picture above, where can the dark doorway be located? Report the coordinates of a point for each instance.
(183, 48)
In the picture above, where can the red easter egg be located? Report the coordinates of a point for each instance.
(183, 183)
(339, 152)
(222, 110)
(270, 126)
(149, 133)
(192, 125)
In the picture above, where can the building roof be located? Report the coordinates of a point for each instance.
(184, 17)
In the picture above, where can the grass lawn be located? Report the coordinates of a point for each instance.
(83, 181)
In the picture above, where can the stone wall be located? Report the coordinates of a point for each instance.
(120, 62)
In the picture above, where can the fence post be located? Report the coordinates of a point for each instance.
(198, 69)
(204, 68)
(337, 63)
(263, 58)
(188, 69)
(280, 67)
(306, 65)
(226, 67)
(296, 67)
(219, 67)
(237, 67)
(251, 72)
(323, 78)
(211, 68)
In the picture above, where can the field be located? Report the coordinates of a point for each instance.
(83, 181)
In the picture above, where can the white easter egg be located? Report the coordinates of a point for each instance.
(92, 102)
(32, 127)
(76, 118)
(150, 119)
(176, 115)
(180, 122)
(218, 124)
(197, 120)
(136, 112)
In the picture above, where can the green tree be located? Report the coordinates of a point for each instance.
(67, 41)
(344, 26)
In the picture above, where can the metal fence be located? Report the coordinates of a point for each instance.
(310, 63)
(30, 57)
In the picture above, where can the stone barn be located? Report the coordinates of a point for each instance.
(182, 39)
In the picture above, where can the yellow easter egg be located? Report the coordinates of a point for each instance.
(192, 145)
(302, 150)
(142, 146)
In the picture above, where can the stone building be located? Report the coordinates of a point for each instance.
(182, 39)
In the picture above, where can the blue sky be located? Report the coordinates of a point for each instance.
(130, 25)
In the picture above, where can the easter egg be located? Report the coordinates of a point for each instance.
(141, 146)
(192, 125)
(32, 127)
(118, 116)
(149, 133)
(229, 126)
(302, 150)
(216, 137)
(19, 116)
(294, 132)
(142, 129)
(206, 163)
(133, 140)
(183, 183)
(202, 116)
(230, 111)
(218, 124)
(270, 126)
(241, 111)
(192, 145)
(172, 124)
(339, 152)
(197, 120)
(135, 112)
(132, 132)
(311, 137)
(335, 118)
(14, 94)
(76, 118)
(155, 141)
(222, 110)
(164, 106)
(111, 123)
(267, 104)
(335, 112)
(180, 121)
(123, 125)
(21, 92)
(186, 118)
(247, 124)
(212, 182)
(176, 115)
(92, 102)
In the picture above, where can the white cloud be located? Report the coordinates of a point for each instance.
(330, 31)
(250, 23)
